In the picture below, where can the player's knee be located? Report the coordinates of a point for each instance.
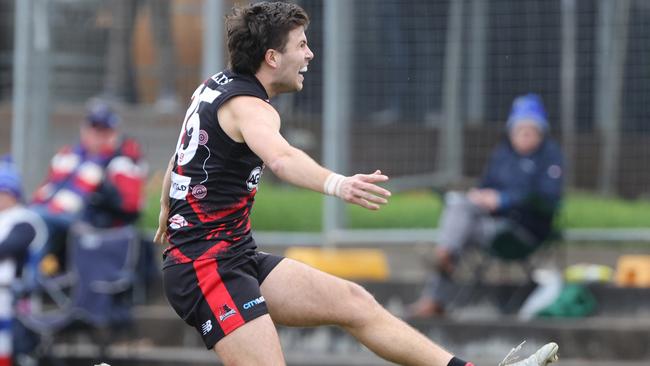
(362, 304)
(361, 295)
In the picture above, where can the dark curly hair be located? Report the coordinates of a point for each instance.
(254, 29)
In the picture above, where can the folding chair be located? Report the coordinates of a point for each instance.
(95, 294)
(509, 248)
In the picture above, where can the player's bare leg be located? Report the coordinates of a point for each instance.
(299, 295)
(254, 343)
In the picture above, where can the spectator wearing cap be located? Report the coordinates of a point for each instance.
(519, 192)
(99, 180)
(21, 232)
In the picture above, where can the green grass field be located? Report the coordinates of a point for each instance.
(290, 209)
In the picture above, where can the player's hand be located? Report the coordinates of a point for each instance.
(361, 190)
(161, 232)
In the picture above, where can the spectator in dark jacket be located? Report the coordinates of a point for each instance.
(519, 194)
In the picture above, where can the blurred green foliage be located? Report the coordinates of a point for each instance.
(284, 208)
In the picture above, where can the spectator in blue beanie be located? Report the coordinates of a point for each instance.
(10, 183)
(518, 194)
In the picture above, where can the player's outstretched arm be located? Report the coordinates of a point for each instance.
(251, 120)
(160, 237)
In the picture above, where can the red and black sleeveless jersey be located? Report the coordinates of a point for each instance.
(214, 179)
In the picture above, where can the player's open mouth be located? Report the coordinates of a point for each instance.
(304, 69)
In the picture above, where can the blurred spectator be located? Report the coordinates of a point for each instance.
(119, 84)
(518, 195)
(99, 181)
(21, 232)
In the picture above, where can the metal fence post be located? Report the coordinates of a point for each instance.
(451, 137)
(612, 41)
(31, 94)
(213, 35)
(477, 59)
(568, 87)
(22, 50)
(39, 123)
(336, 110)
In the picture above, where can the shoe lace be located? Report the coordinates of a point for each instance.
(511, 357)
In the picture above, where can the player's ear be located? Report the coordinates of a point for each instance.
(271, 57)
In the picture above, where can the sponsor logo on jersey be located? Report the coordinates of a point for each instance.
(225, 312)
(206, 327)
(254, 178)
(199, 191)
(179, 187)
(253, 303)
(177, 221)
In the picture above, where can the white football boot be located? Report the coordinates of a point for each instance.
(544, 356)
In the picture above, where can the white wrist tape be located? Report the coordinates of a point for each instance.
(332, 185)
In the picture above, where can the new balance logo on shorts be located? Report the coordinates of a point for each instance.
(206, 327)
(226, 312)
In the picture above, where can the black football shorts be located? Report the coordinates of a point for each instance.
(217, 296)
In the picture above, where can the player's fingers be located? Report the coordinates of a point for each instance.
(373, 189)
(364, 203)
(372, 178)
(375, 194)
(368, 196)
(160, 236)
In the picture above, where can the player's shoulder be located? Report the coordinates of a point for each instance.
(247, 107)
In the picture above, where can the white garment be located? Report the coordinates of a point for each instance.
(9, 218)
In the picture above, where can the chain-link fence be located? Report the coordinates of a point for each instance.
(421, 67)
(431, 81)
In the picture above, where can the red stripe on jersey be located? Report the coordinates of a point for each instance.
(214, 250)
(217, 295)
(209, 217)
(176, 253)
